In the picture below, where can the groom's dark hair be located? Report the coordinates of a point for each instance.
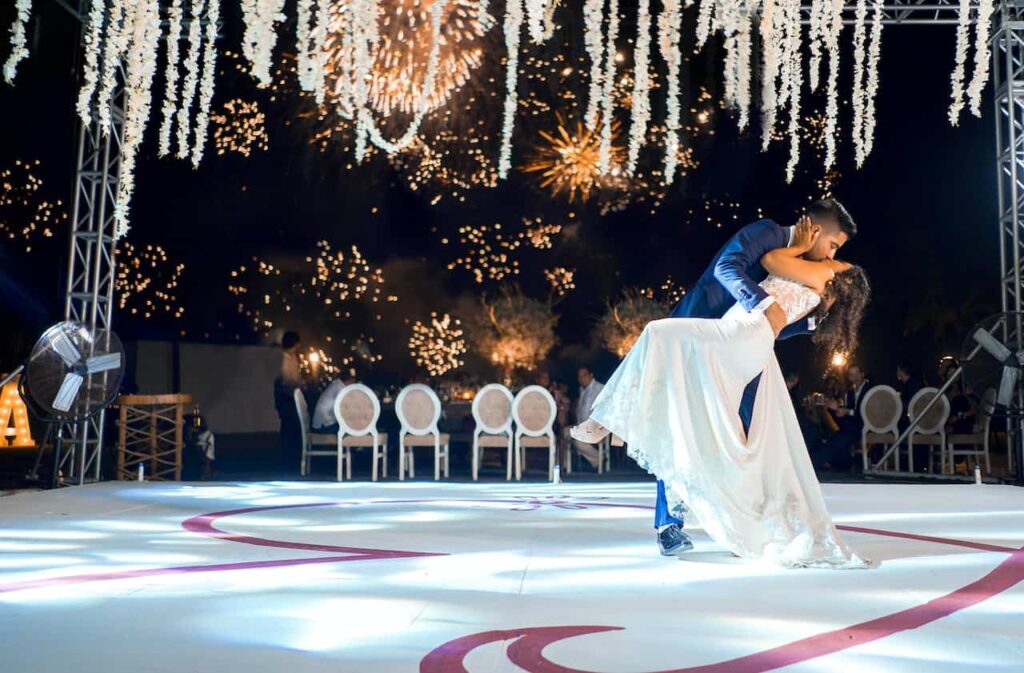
(833, 211)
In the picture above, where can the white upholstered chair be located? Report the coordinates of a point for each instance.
(931, 430)
(534, 412)
(357, 410)
(419, 410)
(312, 441)
(881, 410)
(492, 411)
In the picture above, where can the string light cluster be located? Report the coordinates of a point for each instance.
(240, 128)
(147, 282)
(24, 213)
(438, 346)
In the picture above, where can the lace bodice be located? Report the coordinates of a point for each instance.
(796, 299)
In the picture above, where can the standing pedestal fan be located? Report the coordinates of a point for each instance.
(71, 374)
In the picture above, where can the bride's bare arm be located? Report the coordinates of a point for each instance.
(786, 262)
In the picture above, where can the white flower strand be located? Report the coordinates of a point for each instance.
(365, 34)
(641, 102)
(593, 39)
(817, 35)
(303, 49)
(704, 16)
(874, 53)
(191, 82)
(311, 35)
(604, 150)
(513, 29)
(142, 28)
(794, 75)
(540, 19)
(957, 79)
(437, 11)
(733, 18)
(982, 56)
(260, 36)
(858, 80)
(770, 38)
(23, 10)
(212, 18)
(669, 29)
(90, 71)
(170, 105)
(833, 28)
(115, 44)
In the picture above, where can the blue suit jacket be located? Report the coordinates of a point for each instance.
(734, 274)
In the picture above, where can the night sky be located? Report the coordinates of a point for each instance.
(925, 202)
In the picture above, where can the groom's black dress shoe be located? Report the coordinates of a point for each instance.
(673, 541)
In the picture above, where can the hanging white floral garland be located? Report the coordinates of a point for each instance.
(817, 40)
(957, 79)
(833, 17)
(191, 81)
(733, 18)
(858, 90)
(795, 81)
(771, 20)
(593, 42)
(365, 34)
(22, 12)
(311, 36)
(604, 152)
(540, 19)
(211, 18)
(874, 53)
(90, 73)
(669, 30)
(641, 101)
(115, 45)
(260, 38)
(513, 27)
(170, 105)
(982, 55)
(704, 17)
(142, 28)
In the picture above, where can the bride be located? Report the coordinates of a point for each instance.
(675, 398)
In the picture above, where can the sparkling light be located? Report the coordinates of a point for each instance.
(24, 213)
(438, 345)
(240, 128)
(146, 283)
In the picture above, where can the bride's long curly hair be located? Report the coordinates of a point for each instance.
(852, 292)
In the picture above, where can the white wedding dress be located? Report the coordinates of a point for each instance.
(675, 400)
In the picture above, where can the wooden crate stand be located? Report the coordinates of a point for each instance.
(150, 429)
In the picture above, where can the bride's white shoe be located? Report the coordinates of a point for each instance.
(589, 431)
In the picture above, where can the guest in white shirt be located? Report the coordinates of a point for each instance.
(589, 389)
(324, 420)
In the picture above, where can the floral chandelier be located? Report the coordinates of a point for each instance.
(336, 42)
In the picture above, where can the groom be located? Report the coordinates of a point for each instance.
(733, 276)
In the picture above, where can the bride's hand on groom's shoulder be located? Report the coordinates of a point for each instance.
(805, 234)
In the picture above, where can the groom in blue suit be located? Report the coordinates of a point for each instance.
(733, 276)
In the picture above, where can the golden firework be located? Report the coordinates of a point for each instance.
(439, 345)
(566, 162)
(400, 57)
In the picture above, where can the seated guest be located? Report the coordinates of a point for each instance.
(589, 388)
(961, 412)
(324, 420)
(909, 385)
(837, 452)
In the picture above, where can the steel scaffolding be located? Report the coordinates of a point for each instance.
(89, 293)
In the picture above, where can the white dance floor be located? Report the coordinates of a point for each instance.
(491, 578)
